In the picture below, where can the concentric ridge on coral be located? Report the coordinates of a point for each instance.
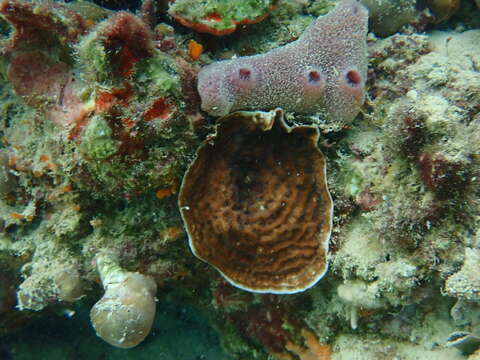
(256, 205)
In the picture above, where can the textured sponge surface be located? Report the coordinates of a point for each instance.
(323, 71)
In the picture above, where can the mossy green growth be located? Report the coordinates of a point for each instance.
(97, 141)
(93, 60)
(354, 186)
(321, 7)
(157, 76)
(349, 177)
(134, 174)
(89, 10)
(220, 15)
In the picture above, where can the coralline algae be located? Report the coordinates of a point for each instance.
(323, 71)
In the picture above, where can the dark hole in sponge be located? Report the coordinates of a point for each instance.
(354, 78)
(314, 76)
(244, 74)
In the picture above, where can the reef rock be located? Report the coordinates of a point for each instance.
(465, 284)
(256, 205)
(323, 71)
(219, 17)
(387, 16)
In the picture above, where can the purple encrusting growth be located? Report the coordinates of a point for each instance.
(323, 71)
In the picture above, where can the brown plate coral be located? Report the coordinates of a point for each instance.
(256, 205)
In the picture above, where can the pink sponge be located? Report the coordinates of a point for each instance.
(323, 71)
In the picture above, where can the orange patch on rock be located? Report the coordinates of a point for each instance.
(314, 349)
(163, 193)
(171, 233)
(105, 100)
(44, 158)
(51, 166)
(127, 123)
(194, 49)
(17, 216)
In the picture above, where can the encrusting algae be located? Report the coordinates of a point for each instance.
(276, 139)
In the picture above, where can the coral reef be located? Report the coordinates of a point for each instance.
(406, 195)
(49, 282)
(93, 130)
(115, 125)
(323, 71)
(465, 284)
(265, 183)
(46, 24)
(101, 118)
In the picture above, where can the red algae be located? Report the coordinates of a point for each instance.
(160, 109)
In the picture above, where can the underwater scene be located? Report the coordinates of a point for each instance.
(240, 180)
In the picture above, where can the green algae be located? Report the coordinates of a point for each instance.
(97, 142)
(94, 61)
(157, 76)
(220, 15)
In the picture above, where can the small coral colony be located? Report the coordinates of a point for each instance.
(270, 139)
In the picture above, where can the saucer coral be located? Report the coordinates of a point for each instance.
(256, 205)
